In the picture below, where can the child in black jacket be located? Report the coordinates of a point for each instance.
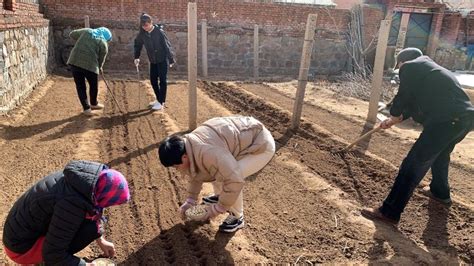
(160, 55)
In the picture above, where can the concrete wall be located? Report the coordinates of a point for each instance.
(26, 52)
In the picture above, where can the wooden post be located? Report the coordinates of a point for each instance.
(86, 22)
(255, 51)
(192, 63)
(304, 69)
(378, 70)
(204, 47)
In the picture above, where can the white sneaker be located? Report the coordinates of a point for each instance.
(88, 112)
(97, 107)
(152, 103)
(157, 106)
(232, 224)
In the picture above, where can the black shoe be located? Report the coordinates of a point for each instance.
(375, 214)
(427, 192)
(210, 199)
(231, 224)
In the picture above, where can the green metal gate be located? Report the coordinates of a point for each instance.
(418, 32)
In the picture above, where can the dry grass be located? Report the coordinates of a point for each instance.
(357, 86)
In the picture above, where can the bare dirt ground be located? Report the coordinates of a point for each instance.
(303, 207)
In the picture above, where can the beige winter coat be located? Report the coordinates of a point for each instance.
(213, 150)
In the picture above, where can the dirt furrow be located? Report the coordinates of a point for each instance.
(304, 206)
(366, 179)
(390, 146)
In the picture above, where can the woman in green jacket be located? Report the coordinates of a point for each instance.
(86, 60)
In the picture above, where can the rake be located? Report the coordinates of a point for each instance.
(342, 152)
(110, 91)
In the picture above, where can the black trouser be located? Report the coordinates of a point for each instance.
(87, 233)
(432, 150)
(159, 70)
(80, 75)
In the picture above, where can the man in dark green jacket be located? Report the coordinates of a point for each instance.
(432, 96)
(86, 60)
(160, 55)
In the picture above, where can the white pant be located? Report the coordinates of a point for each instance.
(250, 164)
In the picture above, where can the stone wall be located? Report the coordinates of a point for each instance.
(26, 52)
(230, 50)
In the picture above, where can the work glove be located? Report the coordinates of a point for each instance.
(190, 202)
(212, 211)
(136, 61)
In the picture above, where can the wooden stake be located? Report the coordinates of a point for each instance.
(86, 22)
(304, 69)
(192, 63)
(378, 70)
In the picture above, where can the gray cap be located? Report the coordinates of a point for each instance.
(408, 54)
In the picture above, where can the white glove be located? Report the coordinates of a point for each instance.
(136, 61)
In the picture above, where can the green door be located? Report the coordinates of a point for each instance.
(418, 31)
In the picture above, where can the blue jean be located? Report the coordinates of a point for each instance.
(432, 150)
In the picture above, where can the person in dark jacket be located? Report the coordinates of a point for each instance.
(86, 60)
(160, 55)
(432, 96)
(62, 214)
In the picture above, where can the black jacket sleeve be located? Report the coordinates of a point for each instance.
(138, 45)
(170, 53)
(402, 100)
(67, 218)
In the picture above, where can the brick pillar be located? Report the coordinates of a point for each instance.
(437, 23)
(450, 29)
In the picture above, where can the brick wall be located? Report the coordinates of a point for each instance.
(230, 33)
(451, 52)
(450, 28)
(372, 18)
(26, 51)
(25, 15)
(464, 38)
(283, 17)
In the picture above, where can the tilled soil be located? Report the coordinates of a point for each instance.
(303, 207)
